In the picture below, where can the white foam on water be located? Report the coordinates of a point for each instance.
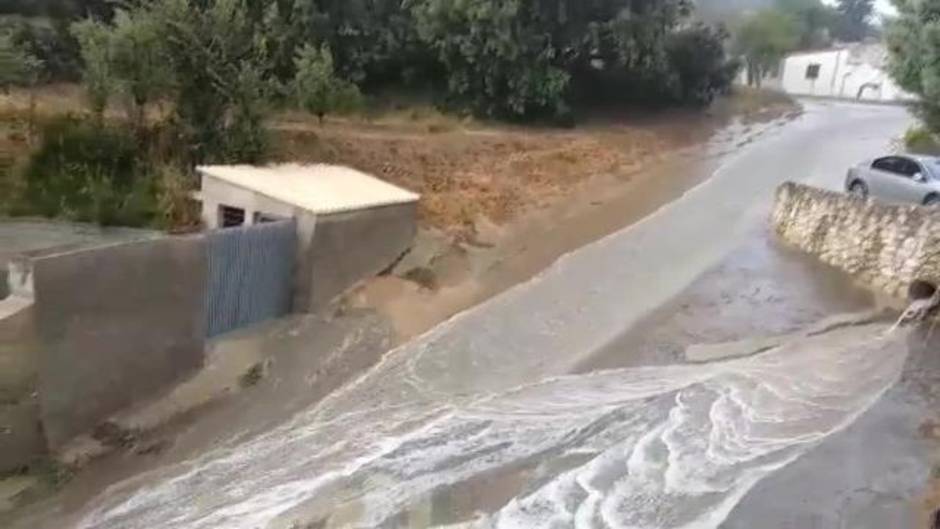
(658, 447)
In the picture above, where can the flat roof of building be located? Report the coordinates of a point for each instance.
(318, 188)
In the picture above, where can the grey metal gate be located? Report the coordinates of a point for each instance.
(250, 274)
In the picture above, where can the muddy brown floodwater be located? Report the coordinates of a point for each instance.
(506, 256)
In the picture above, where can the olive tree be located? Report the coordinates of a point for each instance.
(125, 58)
(205, 58)
(18, 67)
(497, 56)
(222, 83)
(97, 79)
(763, 39)
(317, 88)
(139, 62)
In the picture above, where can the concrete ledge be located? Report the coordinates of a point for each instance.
(887, 247)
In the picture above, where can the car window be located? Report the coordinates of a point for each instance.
(887, 163)
(933, 169)
(907, 167)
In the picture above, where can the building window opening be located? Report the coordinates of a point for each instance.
(230, 217)
(260, 218)
(812, 71)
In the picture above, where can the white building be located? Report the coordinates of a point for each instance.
(349, 225)
(855, 72)
(236, 195)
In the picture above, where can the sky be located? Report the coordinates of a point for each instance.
(883, 6)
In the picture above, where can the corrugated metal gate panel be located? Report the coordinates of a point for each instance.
(250, 275)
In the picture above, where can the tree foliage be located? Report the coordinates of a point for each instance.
(855, 20)
(215, 68)
(509, 58)
(499, 59)
(91, 173)
(45, 40)
(222, 83)
(97, 78)
(519, 58)
(139, 62)
(372, 41)
(43, 28)
(763, 39)
(208, 60)
(316, 86)
(702, 71)
(815, 23)
(17, 66)
(914, 51)
(125, 57)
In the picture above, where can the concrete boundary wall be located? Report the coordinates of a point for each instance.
(86, 331)
(350, 246)
(21, 438)
(116, 324)
(887, 247)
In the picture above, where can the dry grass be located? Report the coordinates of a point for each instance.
(463, 173)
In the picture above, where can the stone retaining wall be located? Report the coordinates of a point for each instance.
(884, 246)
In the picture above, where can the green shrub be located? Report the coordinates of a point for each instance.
(702, 69)
(178, 212)
(921, 141)
(89, 173)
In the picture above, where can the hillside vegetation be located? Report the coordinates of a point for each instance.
(197, 81)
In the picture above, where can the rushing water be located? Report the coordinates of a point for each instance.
(647, 447)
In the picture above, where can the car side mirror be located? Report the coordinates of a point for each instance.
(919, 177)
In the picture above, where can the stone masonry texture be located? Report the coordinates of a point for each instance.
(884, 246)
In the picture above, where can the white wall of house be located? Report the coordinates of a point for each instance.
(216, 193)
(855, 73)
(811, 73)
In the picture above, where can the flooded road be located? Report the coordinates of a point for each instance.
(646, 447)
(486, 402)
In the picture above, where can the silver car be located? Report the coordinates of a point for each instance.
(897, 178)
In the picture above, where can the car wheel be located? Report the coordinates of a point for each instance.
(859, 189)
(932, 200)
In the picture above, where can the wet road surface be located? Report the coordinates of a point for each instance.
(486, 400)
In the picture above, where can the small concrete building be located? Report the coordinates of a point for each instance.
(350, 225)
(854, 72)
